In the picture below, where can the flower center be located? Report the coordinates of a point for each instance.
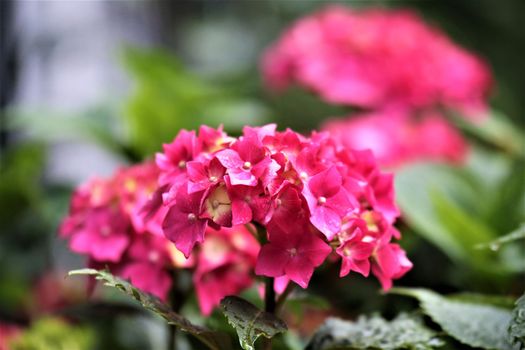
(105, 231)
(215, 204)
(247, 165)
(182, 164)
(292, 251)
(192, 217)
(212, 178)
(153, 256)
(303, 175)
(321, 200)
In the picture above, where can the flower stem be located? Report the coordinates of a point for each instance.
(282, 298)
(269, 296)
(269, 305)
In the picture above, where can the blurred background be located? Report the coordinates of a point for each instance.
(87, 86)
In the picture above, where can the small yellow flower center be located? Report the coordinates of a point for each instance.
(247, 165)
(321, 200)
(182, 164)
(191, 217)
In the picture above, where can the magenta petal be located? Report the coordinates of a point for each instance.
(229, 159)
(241, 212)
(299, 272)
(387, 260)
(326, 221)
(182, 231)
(271, 261)
(314, 249)
(326, 184)
(149, 278)
(242, 177)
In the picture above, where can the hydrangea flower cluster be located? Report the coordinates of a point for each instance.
(104, 224)
(107, 224)
(396, 139)
(308, 196)
(377, 58)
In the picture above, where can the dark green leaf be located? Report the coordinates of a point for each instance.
(374, 332)
(250, 322)
(516, 330)
(472, 323)
(214, 340)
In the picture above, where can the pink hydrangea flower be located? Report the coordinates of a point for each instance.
(376, 58)
(292, 254)
(225, 264)
(146, 265)
(106, 223)
(304, 191)
(183, 223)
(397, 139)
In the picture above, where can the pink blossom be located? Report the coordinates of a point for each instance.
(390, 262)
(246, 162)
(147, 265)
(225, 263)
(355, 254)
(376, 58)
(183, 223)
(103, 235)
(328, 201)
(297, 188)
(295, 254)
(397, 139)
(173, 160)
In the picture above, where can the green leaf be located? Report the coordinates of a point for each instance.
(250, 322)
(53, 334)
(214, 340)
(167, 97)
(497, 130)
(516, 330)
(470, 322)
(515, 235)
(374, 332)
(434, 200)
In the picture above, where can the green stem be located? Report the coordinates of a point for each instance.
(177, 299)
(282, 298)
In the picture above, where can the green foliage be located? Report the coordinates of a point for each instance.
(497, 130)
(250, 322)
(442, 204)
(96, 124)
(54, 334)
(476, 324)
(516, 328)
(168, 98)
(214, 340)
(517, 234)
(374, 332)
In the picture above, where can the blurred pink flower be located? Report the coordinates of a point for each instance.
(397, 138)
(377, 58)
(225, 265)
(8, 333)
